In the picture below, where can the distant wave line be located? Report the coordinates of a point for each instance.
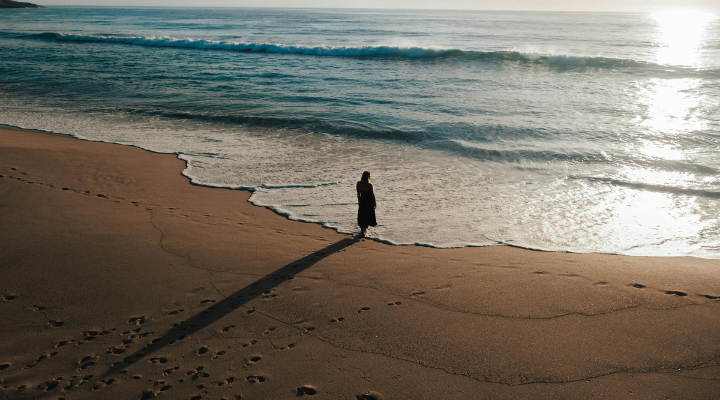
(166, 41)
(560, 60)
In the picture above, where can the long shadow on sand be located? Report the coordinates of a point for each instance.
(231, 303)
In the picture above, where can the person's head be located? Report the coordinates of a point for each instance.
(365, 177)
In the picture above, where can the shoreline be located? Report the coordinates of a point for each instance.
(116, 269)
(324, 225)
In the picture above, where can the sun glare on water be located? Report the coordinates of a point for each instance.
(670, 110)
(681, 35)
(672, 106)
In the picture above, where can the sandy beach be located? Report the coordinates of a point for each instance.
(121, 280)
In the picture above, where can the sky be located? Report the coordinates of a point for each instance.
(529, 5)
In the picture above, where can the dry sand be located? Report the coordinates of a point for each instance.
(121, 280)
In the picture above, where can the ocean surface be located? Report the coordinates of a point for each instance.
(581, 132)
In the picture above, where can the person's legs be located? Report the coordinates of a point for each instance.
(363, 229)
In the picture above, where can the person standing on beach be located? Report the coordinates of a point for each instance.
(366, 203)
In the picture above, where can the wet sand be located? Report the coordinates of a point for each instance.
(121, 280)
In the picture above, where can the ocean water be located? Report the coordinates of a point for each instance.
(582, 132)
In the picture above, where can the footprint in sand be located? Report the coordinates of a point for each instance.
(132, 331)
(306, 390)
(55, 324)
(31, 365)
(267, 332)
(63, 343)
(206, 301)
(339, 319)
(370, 396)
(197, 373)
(289, 346)
(85, 366)
(201, 375)
(46, 355)
(137, 320)
(363, 309)
(252, 360)
(709, 297)
(85, 379)
(9, 297)
(115, 350)
(89, 336)
(255, 378)
(540, 273)
(226, 381)
(175, 312)
(103, 383)
(397, 303)
(158, 360)
(91, 357)
(637, 285)
(676, 293)
(227, 328)
(51, 385)
(218, 354)
(4, 366)
(202, 350)
(419, 293)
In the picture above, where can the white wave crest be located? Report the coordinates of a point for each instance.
(166, 41)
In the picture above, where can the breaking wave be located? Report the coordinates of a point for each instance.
(559, 61)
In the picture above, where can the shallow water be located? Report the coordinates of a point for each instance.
(583, 132)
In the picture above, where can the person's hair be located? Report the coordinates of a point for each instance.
(365, 177)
